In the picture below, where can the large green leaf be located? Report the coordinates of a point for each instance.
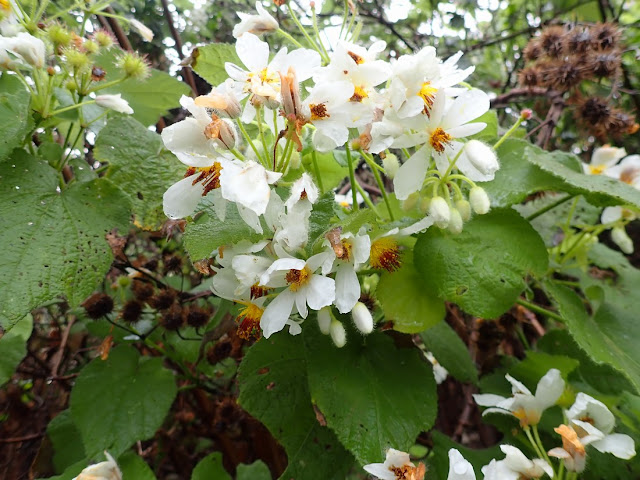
(210, 468)
(256, 471)
(139, 165)
(134, 468)
(609, 337)
(273, 388)
(482, 268)
(121, 400)
(404, 300)
(13, 348)
(207, 233)
(15, 121)
(208, 61)
(66, 441)
(371, 393)
(150, 98)
(54, 242)
(450, 351)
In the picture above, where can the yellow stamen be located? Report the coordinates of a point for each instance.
(209, 176)
(298, 278)
(249, 321)
(439, 139)
(359, 94)
(356, 58)
(428, 94)
(318, 111)
(385, 254)
(596, 169)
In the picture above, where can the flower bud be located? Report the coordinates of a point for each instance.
(77, 60)
(103, 38)
(455, 224)
(482, 157)
(464, 207)
(338, 333)
(362, 318)
(59, 35)
(134, 66)
(440, 211)
(91, 47)
(391, 165)
(114, 102)
(144, 31)
(479, 200)
(619, 237)
(290, 92)
(324, 320)
(228, 134)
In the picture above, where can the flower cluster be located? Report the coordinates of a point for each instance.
(242, 147)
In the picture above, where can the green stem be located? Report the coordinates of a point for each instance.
(352, 176)
(545, 209)
(527, 431)
(317, 32)
(560, 475)
(71, 107)
(107, 85)
(237, 154)
(287, 159)
(508, 133)
(536, 435)
(543, 311)
(262, 137)
(380, 183)
(366, 198)
(572, 210)
(290, 38)
(249, 141)
(312, 43)
(317, 170)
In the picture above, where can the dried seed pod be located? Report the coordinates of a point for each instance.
(604, 64)
(142, 290)
(163, 299)
(529, 77)
(605, 36)
(578, 41)
(562, 76)
(594, 111)
(552, 40)
(173, 318)
(533, 50)
(197, 317)
(131, 311)
(97, 305)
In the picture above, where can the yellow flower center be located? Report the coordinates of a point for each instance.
(428, 94)
(249, 321)
(358, 95)
(356, 58)
(385, 254)
(439, 139)
(258, 291)
(5, 5)
(298, 278)
(209, 176)
(596, 169)
(319, 111)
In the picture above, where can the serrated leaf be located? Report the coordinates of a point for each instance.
(210, 468)
(13, 347)
(54, 242)
(274, 389)
(207, 233)
(208, 61)
(404, 300)
(371, 393)
(608, 337)
(15, 119)
(450, 351)
(140, 166)
(481, 269)
(121, 400)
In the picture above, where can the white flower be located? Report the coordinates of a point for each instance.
(602, 159)
(262, 78)
(114, 102)
(301, 189)
(627, 171)
(21, 49)
(438, 134)
(247, 184)
(101, 471)
(590, 417)
(478, 161)
(345, 254)
(304, 287)
(144, 31)
(479, 200)
(362, 318)
(397, 466)
(516, 466)
(459, 468)
(327, 109)
(439, 372)
(417, 78)
(263, 22)
(523, 405)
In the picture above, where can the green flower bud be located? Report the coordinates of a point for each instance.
(479, 200)
(103, 38)
(91, 47)
(391, 165)
(134, 66)
(59, 35)
(77, 60)
(338, 333)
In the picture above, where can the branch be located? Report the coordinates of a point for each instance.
(503, 100)
(187, 74)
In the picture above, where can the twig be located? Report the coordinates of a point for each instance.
(57, 359)
(187, 74)
(504, 99)
(24, 438)
(553, 115)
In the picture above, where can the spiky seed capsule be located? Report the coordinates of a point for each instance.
(77, 60)
(59, 36)
(533, 50)
(552, 39)
(173, 318)
(163, 299)
(594, 111)
(578, 41)
(91, 47)
(134, 66)
(197, 317)
(131, 311)
(562, 75)
(142, 290)
(97, 305)
(528, 77)
(103, 38)
(605, 36)
(604, 65)
(172, 263)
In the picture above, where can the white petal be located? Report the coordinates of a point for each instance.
(275, 316)
(488, 399)
(250, 218)
(549, 389)
(379, 470)
(282, 264)
(187, 141)
(617, 444)
(597, 412)
(347, 288)
(182, 198)
(321, 293)
(411, 174)
(611, 214)
(459, 468)
(468, 106)
(253, 52)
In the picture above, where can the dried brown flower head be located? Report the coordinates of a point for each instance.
(552, 40)
(529, 77)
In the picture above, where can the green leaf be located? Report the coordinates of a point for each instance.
(15, 121)
(208, 61)
(150, 98)
(121, 400)
(490, 132)
(320, 219)
(13, 347)
(207, 233)
(451, 352)
(65, 438)
(607, 337)
(140, 166)
(273, 389)
(371, 393)
(517, 178)
(256, 471)
(530, 370)
(210, 468)
(330, 171)
(134, 468)
(406, 302)
(54, 243)
(482, 268)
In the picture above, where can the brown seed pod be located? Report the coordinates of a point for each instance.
(131, 311)
(141, 290)
(594, 111)
(552, 40)
(97, 305)
(561, 76)
(605, 36)
(163, 299)
(172, 263)
(173, 318)
(197, 317)
(529, 77)
(604, 64)
(578, 41)
(533, 50)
